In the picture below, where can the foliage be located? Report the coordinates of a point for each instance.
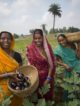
(29, 101)
(16, 36)
(44, 89)
(71, 85)
(73, 29)
(55, 9)
(6, 99)
(64, 30)
(31, 31)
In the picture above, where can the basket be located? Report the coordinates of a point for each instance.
(73, 37)
(32, 73)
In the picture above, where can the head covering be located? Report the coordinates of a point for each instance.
(7, 63)
(47, 49)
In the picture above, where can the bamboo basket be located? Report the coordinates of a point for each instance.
(73, 37)
(31, 72)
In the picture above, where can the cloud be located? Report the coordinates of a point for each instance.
(19, 16)
(75, 2)
(46, 19)
(4, 9)
(70, 14)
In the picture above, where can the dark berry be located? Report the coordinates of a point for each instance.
(20, 75)
(17, 88)
(20, 84)
(26, 78)
(13, 85)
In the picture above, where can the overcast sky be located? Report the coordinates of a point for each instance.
(19, 16)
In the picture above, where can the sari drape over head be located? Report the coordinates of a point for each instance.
(42, 63)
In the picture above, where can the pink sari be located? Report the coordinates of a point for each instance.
(42, 64)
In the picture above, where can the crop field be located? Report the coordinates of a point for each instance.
(21, 43)
(61, 84)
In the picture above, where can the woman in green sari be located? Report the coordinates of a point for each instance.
(66, 55)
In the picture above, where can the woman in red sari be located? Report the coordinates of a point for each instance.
(40, 54)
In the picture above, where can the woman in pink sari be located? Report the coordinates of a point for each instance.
(40, 54)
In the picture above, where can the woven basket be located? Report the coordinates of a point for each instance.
(32, 73)
(73, 37)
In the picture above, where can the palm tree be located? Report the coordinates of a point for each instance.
(55, 9)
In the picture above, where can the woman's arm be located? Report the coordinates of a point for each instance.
(61, 63)
(7, 75)
(49, 77)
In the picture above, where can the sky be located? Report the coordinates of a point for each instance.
(19, 16)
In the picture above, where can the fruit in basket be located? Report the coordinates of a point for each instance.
(20, 75)
(19, 82)
(13, 84)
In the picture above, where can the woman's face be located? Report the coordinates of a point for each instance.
(5, 40)
(62, 41)
(38, 39)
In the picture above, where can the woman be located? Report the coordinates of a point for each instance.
(40, 54)
(67, 56)
(9, 63)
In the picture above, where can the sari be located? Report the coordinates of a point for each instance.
(7, 64)
(69, 57)
(43, 64)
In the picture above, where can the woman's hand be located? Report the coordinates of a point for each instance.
(67, 67)
(49, 78)
(46, 82)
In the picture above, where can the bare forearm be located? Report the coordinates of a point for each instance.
(3, 75)
(7, 75)
(50, 73)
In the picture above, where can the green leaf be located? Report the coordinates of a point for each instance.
(7, 101)
(27, 103)
(44, 89)
(59, 70)
(41, 102)
(50, 103)
(73, 103)
(71, 96)
(33, 97)
(68, 87)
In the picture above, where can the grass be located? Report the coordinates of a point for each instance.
(22, 43)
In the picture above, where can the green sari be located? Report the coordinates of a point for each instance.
(69, 57)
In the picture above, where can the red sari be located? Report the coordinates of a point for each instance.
(42, 64)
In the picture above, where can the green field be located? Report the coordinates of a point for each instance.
(21, 43)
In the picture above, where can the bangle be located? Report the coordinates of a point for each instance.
(49, 78)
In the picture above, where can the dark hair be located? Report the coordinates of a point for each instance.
(62, 35)
(7, 33)
(38, 31)
(69, 43)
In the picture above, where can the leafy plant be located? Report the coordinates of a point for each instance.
(71, 85)
(6, 99)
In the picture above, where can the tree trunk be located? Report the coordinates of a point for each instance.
(53, 22)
